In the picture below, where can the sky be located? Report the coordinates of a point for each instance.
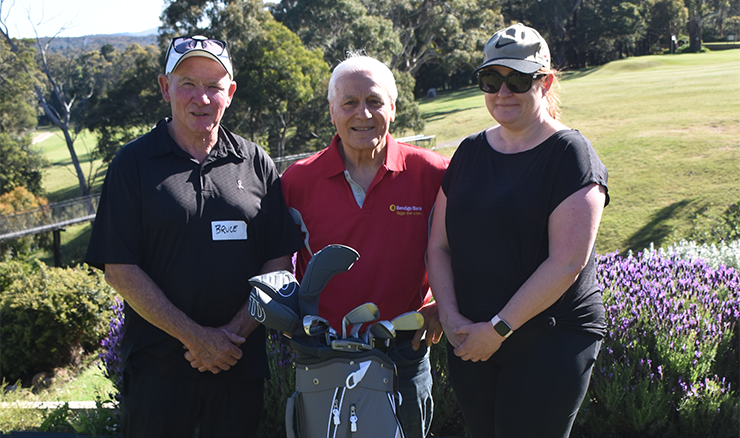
(79, 17)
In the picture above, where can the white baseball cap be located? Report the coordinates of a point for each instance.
(184, 47)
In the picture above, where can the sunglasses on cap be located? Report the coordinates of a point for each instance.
(181, 45)
(517, 82)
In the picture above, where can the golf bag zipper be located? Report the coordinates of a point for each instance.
(353, 418)
(335, 415)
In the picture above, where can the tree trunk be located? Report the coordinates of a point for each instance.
(695, 28)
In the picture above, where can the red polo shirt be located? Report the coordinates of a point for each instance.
(389, 231)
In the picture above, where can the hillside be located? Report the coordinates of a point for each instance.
(65, 45)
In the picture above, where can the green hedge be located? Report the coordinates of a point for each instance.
(49, 317)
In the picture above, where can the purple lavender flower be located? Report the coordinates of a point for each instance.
(111, 354)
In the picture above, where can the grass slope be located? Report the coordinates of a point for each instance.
(666, 127)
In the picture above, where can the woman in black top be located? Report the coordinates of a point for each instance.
(511, 252)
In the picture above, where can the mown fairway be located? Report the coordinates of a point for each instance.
(667, 128)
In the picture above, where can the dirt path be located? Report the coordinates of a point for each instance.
(38, 138)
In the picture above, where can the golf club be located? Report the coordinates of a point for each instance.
(272, 314)
(281, 286)
(324, 265)
(315, 325)
(361, 314)
(380, 331)
(408, 321)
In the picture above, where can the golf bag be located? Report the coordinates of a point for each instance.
(344, 386)
(352, 395)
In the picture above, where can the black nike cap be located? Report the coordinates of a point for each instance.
(518, 47)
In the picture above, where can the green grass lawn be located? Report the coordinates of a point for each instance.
(667, 128)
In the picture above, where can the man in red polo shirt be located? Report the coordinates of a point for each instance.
(376, 195)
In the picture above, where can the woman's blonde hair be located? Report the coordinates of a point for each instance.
(552, 96)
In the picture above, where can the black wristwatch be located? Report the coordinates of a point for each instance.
(501, 327)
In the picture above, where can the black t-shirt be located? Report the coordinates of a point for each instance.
(200, 231)
(498, 207)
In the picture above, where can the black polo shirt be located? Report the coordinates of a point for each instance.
(200, 231)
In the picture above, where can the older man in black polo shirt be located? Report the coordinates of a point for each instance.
(189, 212)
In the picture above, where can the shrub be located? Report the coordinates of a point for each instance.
(715, 255)
(17, 200)
(669, 364)
(709, 228)
(49, 317)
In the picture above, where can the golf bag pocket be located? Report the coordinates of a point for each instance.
(352, 397)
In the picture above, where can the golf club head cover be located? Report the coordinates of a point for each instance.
(281, 286)
(324, 265)
(272, 314)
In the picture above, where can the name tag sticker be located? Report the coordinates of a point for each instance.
(229, 230)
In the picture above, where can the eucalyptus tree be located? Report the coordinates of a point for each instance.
(62, 84)
(132, 102)
(405, 34)
(20, 165)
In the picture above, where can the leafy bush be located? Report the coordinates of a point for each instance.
(49, 317)
(709, 228)
(669, 364)
(101, 420)
(17, 200)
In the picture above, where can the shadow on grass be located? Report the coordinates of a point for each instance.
(575, 74)
(84, 159)
(437, 115)
(658, 229)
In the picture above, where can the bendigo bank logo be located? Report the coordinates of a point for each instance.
(406, 210)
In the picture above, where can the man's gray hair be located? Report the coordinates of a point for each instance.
(357, 61)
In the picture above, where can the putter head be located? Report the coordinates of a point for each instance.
(408, 321)
(281, 286)
(322, 267)
(361, 314)
(272, 314)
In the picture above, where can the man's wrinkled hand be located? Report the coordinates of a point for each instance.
(214, 350)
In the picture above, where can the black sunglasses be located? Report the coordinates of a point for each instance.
(183, 44)
(517, 82)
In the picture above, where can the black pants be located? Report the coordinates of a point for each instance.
(531, 388)
(161, 408)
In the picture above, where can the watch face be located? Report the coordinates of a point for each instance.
(502, 329)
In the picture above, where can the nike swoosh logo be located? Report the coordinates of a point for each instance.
(499, 45)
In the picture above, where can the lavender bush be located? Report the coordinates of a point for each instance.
(669, 364)
(279, 387)
(111, 349)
